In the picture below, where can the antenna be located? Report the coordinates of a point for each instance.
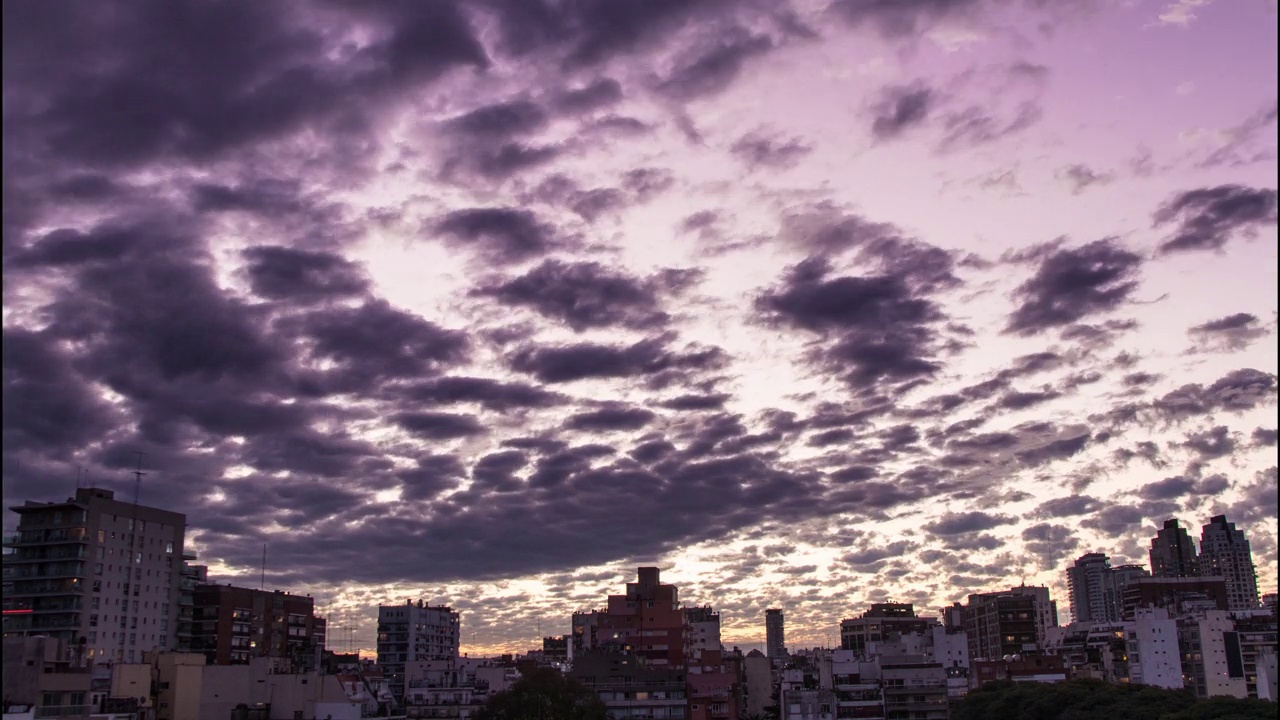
(262, 581)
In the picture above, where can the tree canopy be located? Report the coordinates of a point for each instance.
(1090, 699)
(544, 694)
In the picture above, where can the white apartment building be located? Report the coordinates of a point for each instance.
(95, 568)
(414, 632)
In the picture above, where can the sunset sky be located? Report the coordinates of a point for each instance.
(811, 304)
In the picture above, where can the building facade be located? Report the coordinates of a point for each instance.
(415, 632)
(883, 622)
(97, 569)
(775, 635)
(232, 624)
(1173, 553)
(1224, 552)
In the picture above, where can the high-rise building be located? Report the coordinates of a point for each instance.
(232, 624)
(1001, 623)
(1120, 578)
(96, 573)
(775, 637)
(1225, 552)
(1173, 553)
(1087, 582)
(414, 632)
(884, 622)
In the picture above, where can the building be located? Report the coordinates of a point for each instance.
(883, 622)
(913, 689)
(1046, 608)
(1142, 651)
(192, 575)
(1086, 583)
(1256, 634)
(232, 624)
(1120, 577)
(414, 632)
(96, 569)
(629, 687)
(1003, 623)
(704, 631)
(1212, 662)
(1035, 668)
(1179, 595)
(775, 637)
(1224, 552)
(759, 682)
(1173, 553)
(715, 687)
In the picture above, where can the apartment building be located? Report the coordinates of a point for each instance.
(232, 624)
(96, 568)
(415, 631)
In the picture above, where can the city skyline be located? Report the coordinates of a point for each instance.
(813, 304)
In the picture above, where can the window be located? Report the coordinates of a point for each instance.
(168, 547)
(97, 569)
(93, 636)
(102, 536)
(142, 526)
(130, 524)
(94, 602)
(93, 621)
(97, 586)
(137, 558)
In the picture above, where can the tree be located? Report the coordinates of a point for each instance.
(544, 694)
(1088, 699)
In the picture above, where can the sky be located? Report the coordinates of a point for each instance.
(812, 304)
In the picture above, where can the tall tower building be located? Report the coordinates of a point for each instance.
(1173, 553)
(1225, 552)
(1087, 582)
(775, 638)
(415, 632)
(97, 573)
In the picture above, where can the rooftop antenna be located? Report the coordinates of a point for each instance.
(262, 580)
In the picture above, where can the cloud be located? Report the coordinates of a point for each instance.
(302, 276)
(1180, 13)
(1232, 333)
(965, 523)
(501, 235)
(616, 417)
(1069, 506)
(1207, 218)
(490, 394)
(1081, 177)
(597, 95)
(500, 121)
(651, 357)
(1236, 391)
(1074, 283)
(715, 69)
(899, 109)
(761, 149)
(583, 295)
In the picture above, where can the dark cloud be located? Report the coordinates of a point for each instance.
(883, 327)
(375, 341)
(1023, 400)
(489, 394)
(582, 295)
(652, 357)
(234, 73)
(1236, 391)
(302, 276)
(1074, 283)
(46, 403)
(1049, 543)
(964, 523)
(899, 109)
(1210, 444)
(500, 121)
(696, 402)
(439, 426)
(614, 417)
(1069, 506)
(1264, 437)
(1227, 334)
(1208, 217)
(761, 148)
(715, 69)
(502, 236)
